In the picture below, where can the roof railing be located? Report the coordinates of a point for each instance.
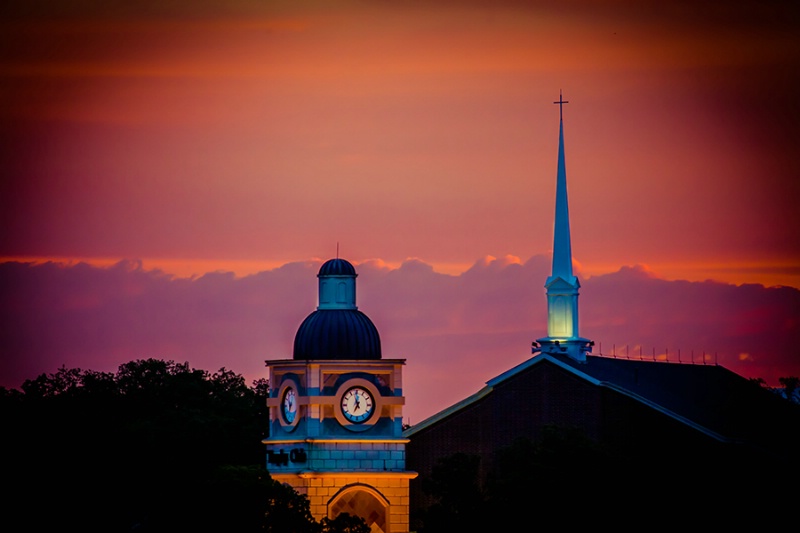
(666, 356)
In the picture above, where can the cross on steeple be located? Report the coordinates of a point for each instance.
(561, 103)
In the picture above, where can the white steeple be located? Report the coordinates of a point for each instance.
(562, 286)
(562, 246)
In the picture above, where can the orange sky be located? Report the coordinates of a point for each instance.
(207, 135)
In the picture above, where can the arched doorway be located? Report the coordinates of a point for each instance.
(364, 501)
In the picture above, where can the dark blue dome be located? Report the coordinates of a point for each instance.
(337, 334)
(337, 267)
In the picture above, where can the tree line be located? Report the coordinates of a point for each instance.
(162, 447)
(155, 447)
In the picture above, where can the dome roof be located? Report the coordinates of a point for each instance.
(337, 267)
(337, 329)
(337, 334)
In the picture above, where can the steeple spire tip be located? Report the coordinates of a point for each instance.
(561, 103)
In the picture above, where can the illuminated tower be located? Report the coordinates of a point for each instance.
(335, 412)
(562, 286)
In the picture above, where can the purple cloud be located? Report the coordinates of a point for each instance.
(455, 332)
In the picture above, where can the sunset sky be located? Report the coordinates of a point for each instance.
(192, 137)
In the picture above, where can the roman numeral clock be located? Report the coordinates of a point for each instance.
(336, 412)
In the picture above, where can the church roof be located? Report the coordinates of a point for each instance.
(709, 398)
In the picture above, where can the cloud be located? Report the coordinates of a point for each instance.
(455, 332)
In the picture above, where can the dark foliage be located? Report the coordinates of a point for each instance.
(156, 447)
(344, 523)
(577, 482)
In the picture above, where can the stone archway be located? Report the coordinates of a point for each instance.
(364, 501)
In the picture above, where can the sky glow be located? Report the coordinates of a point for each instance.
(211, 137)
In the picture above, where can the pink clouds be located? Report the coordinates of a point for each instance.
(456, 332)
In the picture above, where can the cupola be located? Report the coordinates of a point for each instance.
(337, 329)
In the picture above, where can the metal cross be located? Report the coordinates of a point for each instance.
(561, 103)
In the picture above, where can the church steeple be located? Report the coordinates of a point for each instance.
(562, 245)
(562, 286)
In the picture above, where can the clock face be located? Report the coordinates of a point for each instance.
(289, 405)
(357, 405)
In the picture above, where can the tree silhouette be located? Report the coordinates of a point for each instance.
(344, 523)
(156, 447)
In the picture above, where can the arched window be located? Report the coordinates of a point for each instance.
(364, 501)
(341, 292)
(324, 297)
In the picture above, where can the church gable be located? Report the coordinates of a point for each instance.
(540, 394)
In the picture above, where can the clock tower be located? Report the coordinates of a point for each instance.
(335, 412)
